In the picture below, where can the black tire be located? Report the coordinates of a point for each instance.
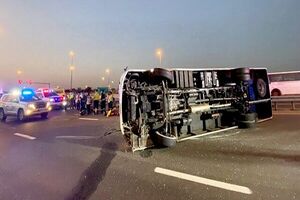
(242, 70)
(261, 88)
(275, 93)
(248, 117)
(242, 74)
(44, 115)
(246, 124)
(165, 141)
(159, 74)
(21, 115)
(2, 115)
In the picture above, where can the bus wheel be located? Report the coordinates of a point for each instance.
(161, 140)
(242, 74)
(261, 87)
(246, 124)
(159, 74)
(276, 93)
(247, 120)
(252, 116)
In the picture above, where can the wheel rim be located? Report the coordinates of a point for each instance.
(261, 88)
(21, 115)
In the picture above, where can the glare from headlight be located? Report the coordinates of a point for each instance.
(51, 100)
(48, 104)
(28, 112)
(31, 106)
(64, 103)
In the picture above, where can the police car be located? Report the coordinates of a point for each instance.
(48, 95)
(23, 104)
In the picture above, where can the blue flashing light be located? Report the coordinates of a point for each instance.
(27, 92)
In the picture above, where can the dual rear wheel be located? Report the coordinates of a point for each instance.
(247, 120)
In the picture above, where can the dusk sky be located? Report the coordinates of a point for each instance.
(37, 35)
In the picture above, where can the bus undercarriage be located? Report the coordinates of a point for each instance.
(162, 107)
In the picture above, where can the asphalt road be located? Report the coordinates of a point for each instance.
(67, 157)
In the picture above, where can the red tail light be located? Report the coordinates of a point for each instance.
(46, 91)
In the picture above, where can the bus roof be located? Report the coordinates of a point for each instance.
(288, 72)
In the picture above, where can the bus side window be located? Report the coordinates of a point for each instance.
(276, 78)
(292, 77)
(297, 76)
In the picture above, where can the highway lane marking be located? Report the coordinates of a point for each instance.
(88, 119)
(225, 135)
(25, 136)
(221, 136)
(286, 113)
(82, 137)
(205, 181)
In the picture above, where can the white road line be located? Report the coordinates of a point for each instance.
(286, 113)
(208, 133)
(89, 119)
(82, 137)
(205, 181)
(223, 136)
(25, 136)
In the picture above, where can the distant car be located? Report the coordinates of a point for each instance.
(56, 101)
(61, 92)
(22, 105)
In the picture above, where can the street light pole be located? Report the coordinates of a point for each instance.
(71, 84)
(72, 68)
(159, 54)
(160, 59)
(71, 54)
(108, 72)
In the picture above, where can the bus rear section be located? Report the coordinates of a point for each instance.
(284, 83)
(165, 106)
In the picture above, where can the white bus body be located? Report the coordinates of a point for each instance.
(284, 83)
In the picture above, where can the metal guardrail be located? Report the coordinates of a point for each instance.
(285, 100)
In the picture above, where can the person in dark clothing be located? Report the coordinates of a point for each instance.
(77, 101)
(103, 103)
(83, 99)
(88, 103)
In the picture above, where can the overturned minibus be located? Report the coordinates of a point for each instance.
(165, 106)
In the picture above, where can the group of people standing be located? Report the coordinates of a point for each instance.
(91, 102)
